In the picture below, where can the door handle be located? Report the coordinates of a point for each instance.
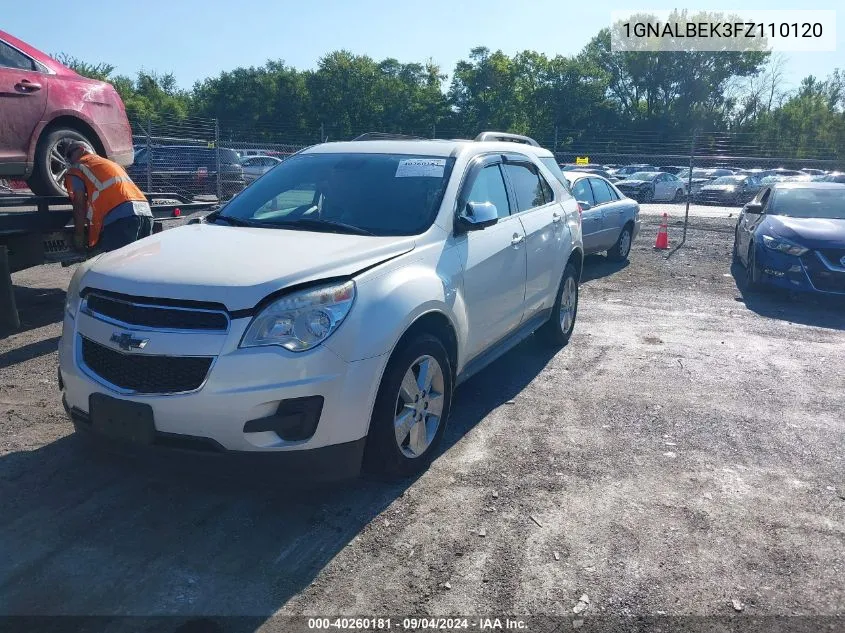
(25, 85)
(517, 239)
(556, 217)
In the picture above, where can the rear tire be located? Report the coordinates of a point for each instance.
(404, 407)
(558, 329)
(47, 177)
(620, 251)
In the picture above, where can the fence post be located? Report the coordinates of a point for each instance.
(555, 149)
(689, 184)
(149, 157)
(217, 156)
(322, 133)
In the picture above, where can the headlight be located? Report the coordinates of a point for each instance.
(301, 320)
(783, 246)
(72, 298)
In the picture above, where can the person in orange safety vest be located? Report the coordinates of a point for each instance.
(116, 211)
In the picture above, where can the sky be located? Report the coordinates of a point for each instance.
(195, 39)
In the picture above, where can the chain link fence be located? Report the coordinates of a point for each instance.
(701, 175)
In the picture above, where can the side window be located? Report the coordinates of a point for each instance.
(10, 58)
(582, 192)
(764, 197)
(526, 185)
(548, 194)
(613, 195)
(600, 191)
(490, 187)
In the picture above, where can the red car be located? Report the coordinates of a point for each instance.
(45, 105)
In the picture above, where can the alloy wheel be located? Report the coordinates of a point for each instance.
(58, 162)
(568, 304)
(419, 406)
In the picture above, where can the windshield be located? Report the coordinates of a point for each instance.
(642, 175)
(728, 180)
(382, 194)
(806, 202)
(630, 169)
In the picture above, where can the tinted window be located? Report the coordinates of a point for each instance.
(385, 194)
(582, 192)
(600, 191)
(805, 202)
(526, 185)
(489, 187)
(10, 58)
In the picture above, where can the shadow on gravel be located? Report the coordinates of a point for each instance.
(806, 309)
(28, 352)
(91, 533)
(38, 307)
(599, 266)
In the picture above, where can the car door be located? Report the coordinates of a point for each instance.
(542, 220)
(591, 216)
(610, 218)
(494, 259)
(747, 222)
(23, 99)
(661, 187)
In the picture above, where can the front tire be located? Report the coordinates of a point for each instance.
(679, 195)
(647, 196)
(411, 409)
(752, 269)
(620, 251)
(47, 177)
(558, 329)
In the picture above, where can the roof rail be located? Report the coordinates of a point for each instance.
(506, 136)
(386, 136)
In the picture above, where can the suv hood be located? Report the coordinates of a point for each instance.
(235, 266)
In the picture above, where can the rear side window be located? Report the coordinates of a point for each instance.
(600, 191)
(527, 185)
(552, 166)
(11, 58)
(582, 192)
(489, 187)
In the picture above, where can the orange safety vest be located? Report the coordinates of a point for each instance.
(107, 186)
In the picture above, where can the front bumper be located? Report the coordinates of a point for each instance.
(809, 273)
(242, 385)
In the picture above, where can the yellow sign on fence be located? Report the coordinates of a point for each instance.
(582, 160)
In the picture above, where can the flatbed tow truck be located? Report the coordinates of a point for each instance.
(37, 230)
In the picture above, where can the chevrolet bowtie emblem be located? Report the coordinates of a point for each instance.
(127, 342)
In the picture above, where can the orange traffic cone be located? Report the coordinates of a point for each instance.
(662, 241)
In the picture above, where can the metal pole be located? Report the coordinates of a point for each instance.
(149, 158)
(322, 135)
(689, 185)
(9, 319)
(217, 156)
(555, 149)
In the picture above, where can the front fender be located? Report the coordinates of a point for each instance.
(389, 303)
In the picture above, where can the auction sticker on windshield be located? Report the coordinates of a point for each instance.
(421, 167)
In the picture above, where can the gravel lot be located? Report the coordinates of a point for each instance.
(683, 451)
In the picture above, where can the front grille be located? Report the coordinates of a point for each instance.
(822, 278)
(156, 317)
(145, 373)
(833, 255)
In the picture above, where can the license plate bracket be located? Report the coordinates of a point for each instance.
(122, 419)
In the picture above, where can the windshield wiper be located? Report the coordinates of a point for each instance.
(232, 221)
(314, 223)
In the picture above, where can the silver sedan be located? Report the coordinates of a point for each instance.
(610, 221)
(257, 166)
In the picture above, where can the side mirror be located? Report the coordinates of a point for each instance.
(754, 207)
(478, 215)
(585, 206)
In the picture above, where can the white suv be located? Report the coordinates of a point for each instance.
(325, 315)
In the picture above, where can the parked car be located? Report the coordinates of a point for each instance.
(813, 172)
(628, 170)
(834, 177)
(701, 177)
(44, 107)
(728, 190)
(653, 186)
(672, 169)
(609, 220)
(590, 170)
(189, 170)
(324, 316)
(792, 236)
(256, 166)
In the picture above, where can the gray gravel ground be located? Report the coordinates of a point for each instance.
(683, 451)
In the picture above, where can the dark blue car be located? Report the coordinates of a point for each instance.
(792, 235)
